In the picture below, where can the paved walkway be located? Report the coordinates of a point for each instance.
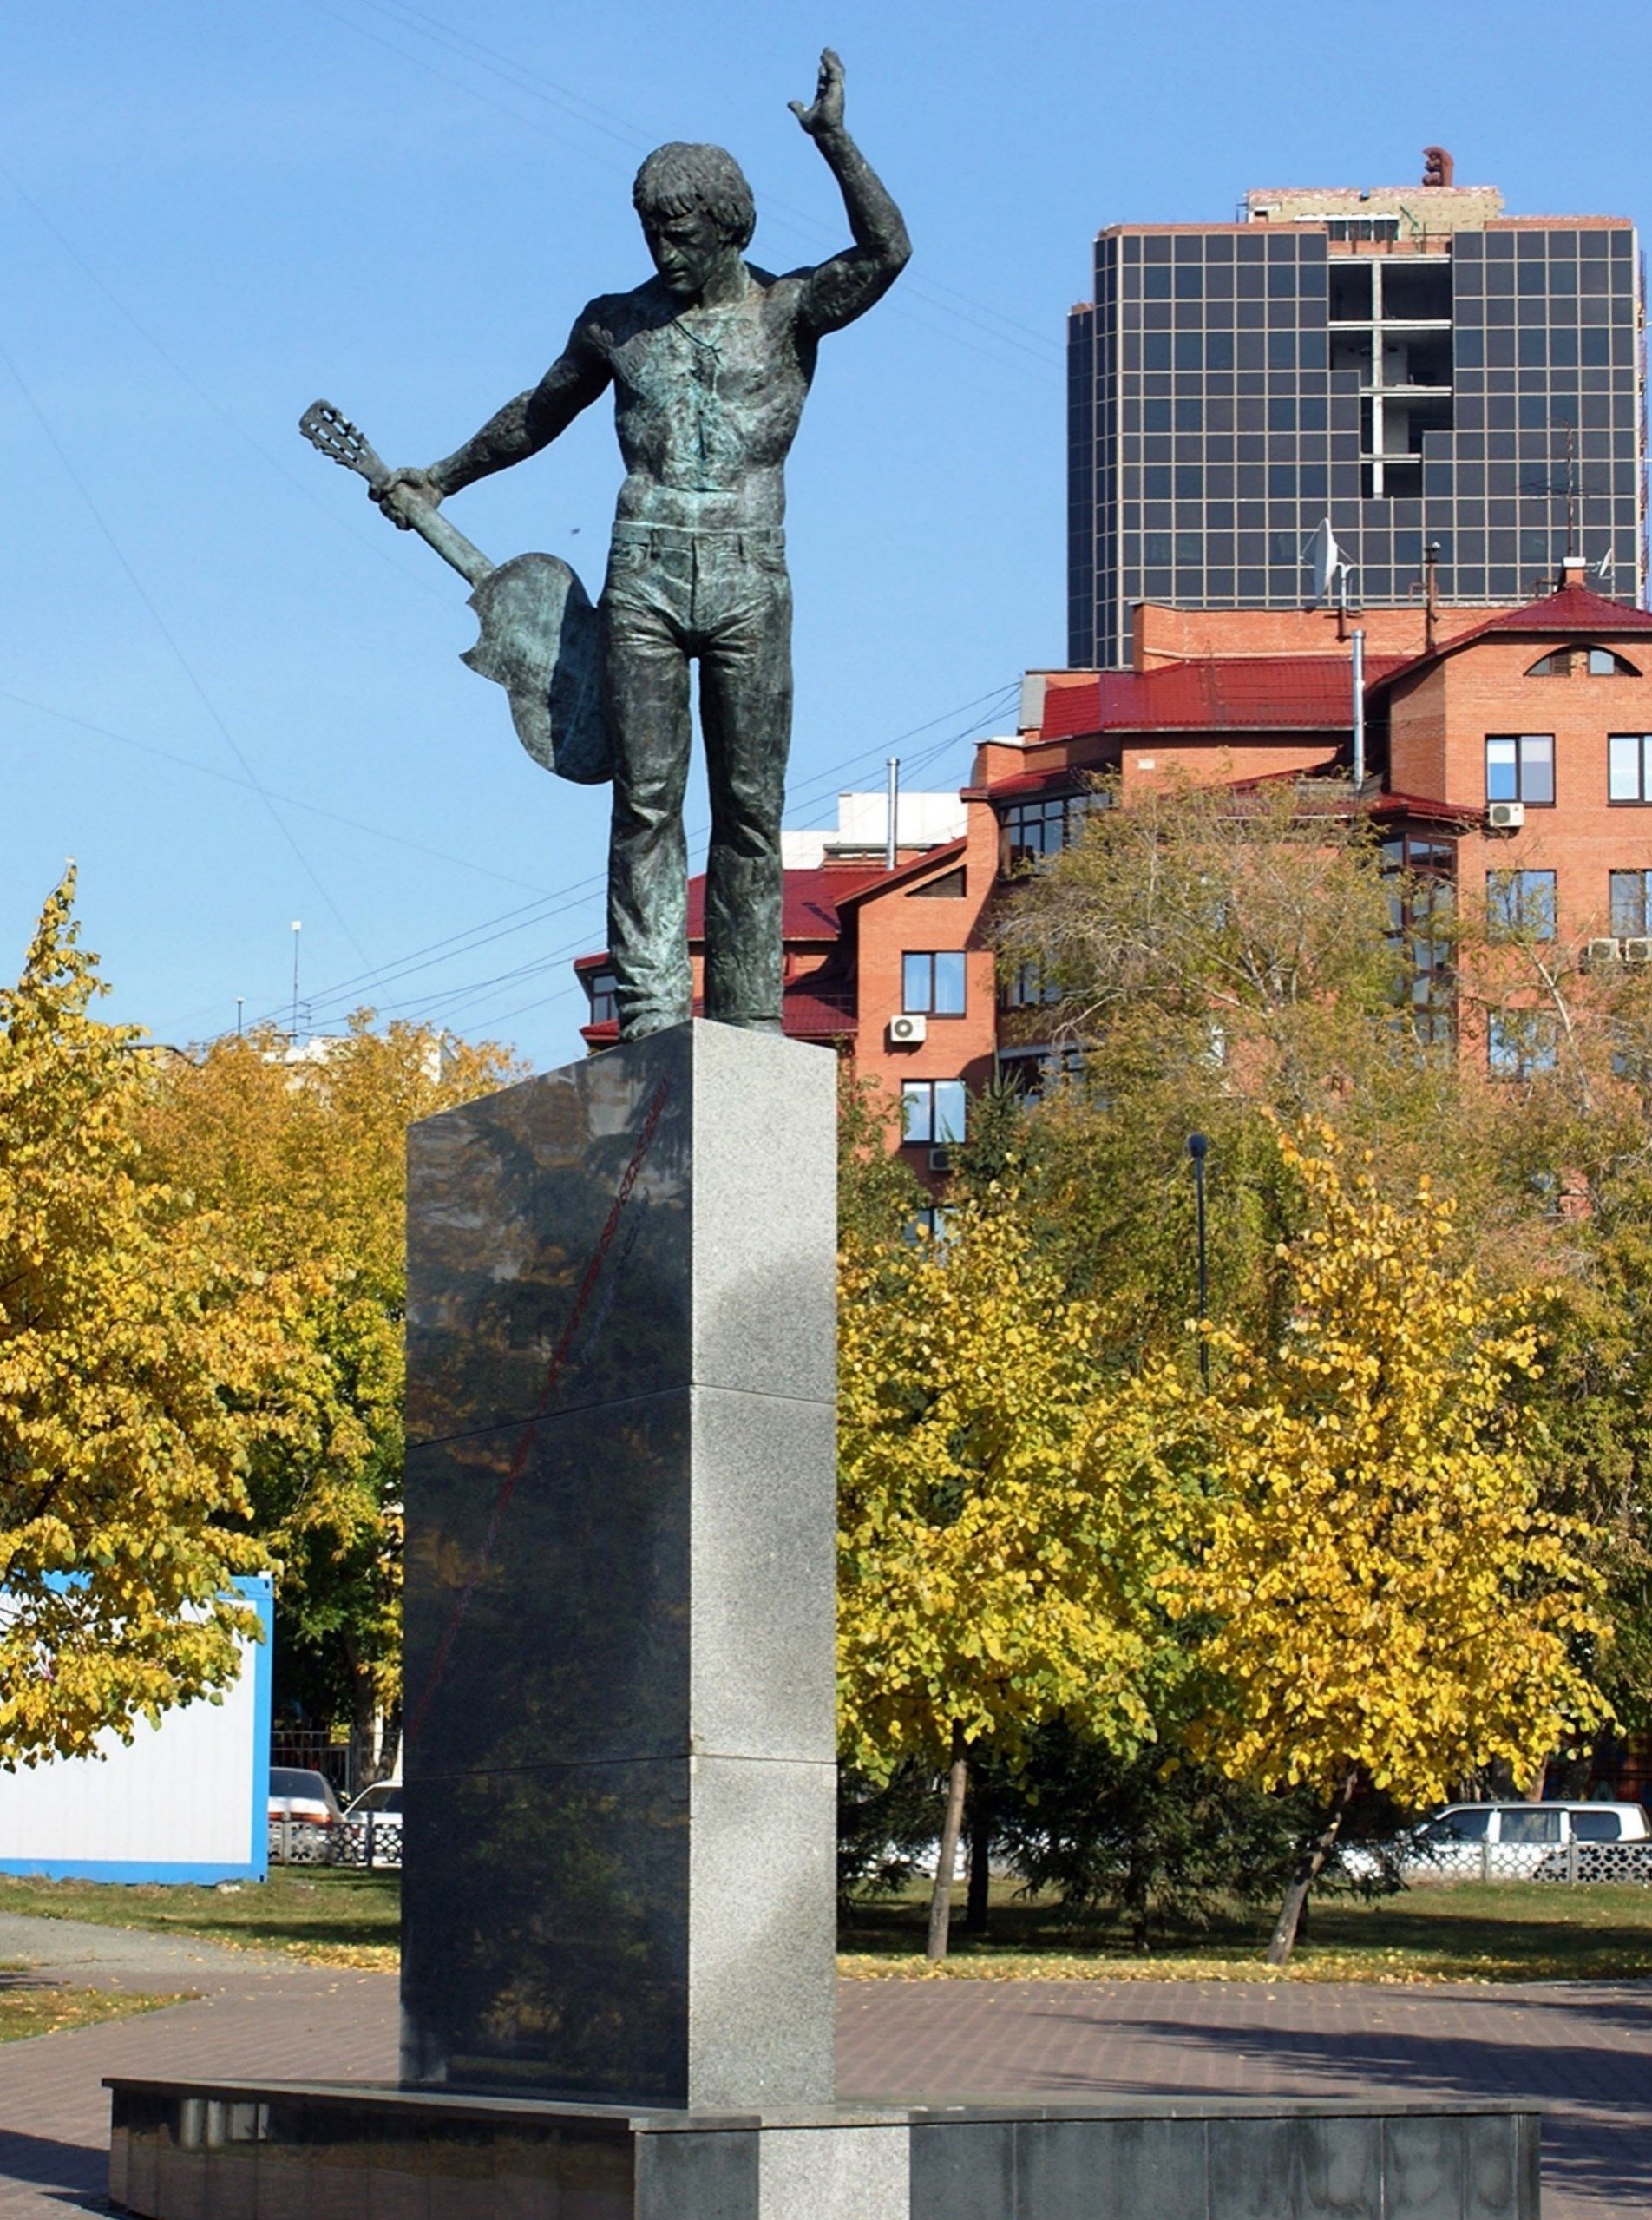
(1583, 2052)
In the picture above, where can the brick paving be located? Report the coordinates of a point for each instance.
(1584, 2052)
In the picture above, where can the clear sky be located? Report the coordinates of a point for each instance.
(232, 692)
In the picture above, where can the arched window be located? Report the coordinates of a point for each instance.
(1597, 662)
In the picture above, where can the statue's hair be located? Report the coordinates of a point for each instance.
(679, 180)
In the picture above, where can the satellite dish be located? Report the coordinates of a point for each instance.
(1325, 560)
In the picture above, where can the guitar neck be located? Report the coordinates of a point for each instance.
(452, 546)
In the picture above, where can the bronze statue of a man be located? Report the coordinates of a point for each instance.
(710, 362)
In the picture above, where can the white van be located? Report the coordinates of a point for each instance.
(1517, 1842)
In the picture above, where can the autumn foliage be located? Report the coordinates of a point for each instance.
(140, 1366)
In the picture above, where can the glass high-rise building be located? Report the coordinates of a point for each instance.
(1411, 363)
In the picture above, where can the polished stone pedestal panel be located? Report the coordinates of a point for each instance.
(200, 2150)
(620, 1848)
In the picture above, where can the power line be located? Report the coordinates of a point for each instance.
(527, 915)
(387, 550)
(536, 83)
(1047, 361)
(184, 664)
(270, 793)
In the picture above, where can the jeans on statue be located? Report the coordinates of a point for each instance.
(722, 600)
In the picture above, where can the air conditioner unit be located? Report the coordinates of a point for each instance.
(907, 1031)
(1638, 949)
(1602, 951)
(940, 1159)
(1505, 817)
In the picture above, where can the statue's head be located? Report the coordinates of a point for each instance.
(696, 210)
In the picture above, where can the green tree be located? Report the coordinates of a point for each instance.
(140, 1374)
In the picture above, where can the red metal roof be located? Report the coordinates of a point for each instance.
(811, 900)
(809, 1011)
(1574, 609)
(1215, 693)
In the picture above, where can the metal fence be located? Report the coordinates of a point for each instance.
(370, 1838)
(1554, 1862)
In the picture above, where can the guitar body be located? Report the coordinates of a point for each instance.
(539, 641)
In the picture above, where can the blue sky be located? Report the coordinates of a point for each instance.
(232, 693)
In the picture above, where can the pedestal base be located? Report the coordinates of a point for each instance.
(236, 2150)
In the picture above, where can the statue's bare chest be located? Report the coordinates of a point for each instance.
(709, 366)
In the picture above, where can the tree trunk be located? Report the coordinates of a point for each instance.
(981, 1851)
(947, 1857)
(1309, 1866)
(364, 1719)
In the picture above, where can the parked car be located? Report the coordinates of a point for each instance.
(1513, 1842)
(384, 1796)
(297, 1794)
(372, 1827)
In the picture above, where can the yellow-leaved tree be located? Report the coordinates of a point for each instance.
(1375, 1589)
(997, 1533)
(301, 1161)
(138, 1371)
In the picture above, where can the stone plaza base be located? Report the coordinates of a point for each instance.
(237, 2151)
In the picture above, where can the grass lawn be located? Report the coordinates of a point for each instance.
(1469, 1931)
(1466, 1931)
(29, 2006)
(333, 1919)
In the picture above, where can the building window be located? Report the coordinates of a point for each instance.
(1520, 905)
(602, 987)
(932, 983)
(1631, 903)
(1520, 767)
(1628, 767)
(1032, 1072)
(1026, 987)
(1421, 893)
(933, 1110)
(1521, 1044)
(1030, 831)
(1596, 662)
(933, 1223)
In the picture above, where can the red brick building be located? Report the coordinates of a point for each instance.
(1512, 742)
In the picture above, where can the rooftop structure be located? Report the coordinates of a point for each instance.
(1410, 362)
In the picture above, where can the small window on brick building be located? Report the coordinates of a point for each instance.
(1594, 662)
(1628, 767)
(1522, 1044)
(932, 983)
(1631, 903)
(1520, 905)
(1520, 767)
(949, 887)
(933, 1110)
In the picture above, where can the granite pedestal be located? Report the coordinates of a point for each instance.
(619, 1827)
(224, 2151)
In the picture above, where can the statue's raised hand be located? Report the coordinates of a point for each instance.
(825, 115)
(403, 492)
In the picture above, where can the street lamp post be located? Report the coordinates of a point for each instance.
(1198, 1147)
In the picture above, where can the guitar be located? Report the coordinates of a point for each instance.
(538, 636)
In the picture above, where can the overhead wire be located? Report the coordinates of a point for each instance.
(173, 643)
(380, 544)
(529, 79)
(272, 794)
(1045, 366)
(528, 914)
(626, 131)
